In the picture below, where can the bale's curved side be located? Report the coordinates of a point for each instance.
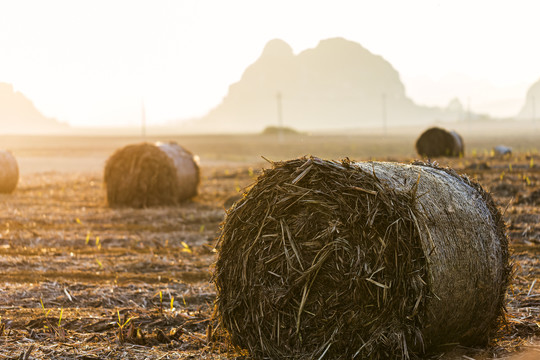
(187, 169)
(435, 142)
(141, 175)
(466, 250)
(9, 172)
(375, 260)
(459, 147)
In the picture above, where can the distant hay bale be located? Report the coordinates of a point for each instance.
(145, 175)
(435, 142)
(276, 130)
(9, 172)
(366, 260)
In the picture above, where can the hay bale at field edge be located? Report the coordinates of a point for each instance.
(435, 142)
(9, 172)
(144, 175)
(374, 260)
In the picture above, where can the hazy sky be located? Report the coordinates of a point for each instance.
(91, 62)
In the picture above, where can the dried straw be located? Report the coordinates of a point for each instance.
(371, 260)
(9, 172)
(435, 142)
(145, 175)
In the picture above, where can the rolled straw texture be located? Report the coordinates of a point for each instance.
(144, 175)
(373, 260)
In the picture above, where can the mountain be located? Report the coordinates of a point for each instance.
(531, 108)
(338, 84)
(19, 115)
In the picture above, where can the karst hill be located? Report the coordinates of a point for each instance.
(19, 115)
(336, 85)
(531, 107)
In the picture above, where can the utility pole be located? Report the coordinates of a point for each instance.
(383, 101)
(143, 120)
(533, 105)
(280, 116)
(469, 117)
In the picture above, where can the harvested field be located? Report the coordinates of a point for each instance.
(79, 280)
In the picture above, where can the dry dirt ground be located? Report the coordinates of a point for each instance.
(79, 280)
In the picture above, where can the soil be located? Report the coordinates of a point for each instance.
(79, 280)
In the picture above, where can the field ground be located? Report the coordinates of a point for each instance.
(79, 280)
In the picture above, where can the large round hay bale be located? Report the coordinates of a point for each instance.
(9, 172)
(435, 142)
(368, 260)
(144, 175)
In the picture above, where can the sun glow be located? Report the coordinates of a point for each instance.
(91, 63)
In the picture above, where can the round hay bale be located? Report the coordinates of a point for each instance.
(9, 172)
(144, 175)
(366, 260)
(435, 142)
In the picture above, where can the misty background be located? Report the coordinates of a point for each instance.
(239, 66)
